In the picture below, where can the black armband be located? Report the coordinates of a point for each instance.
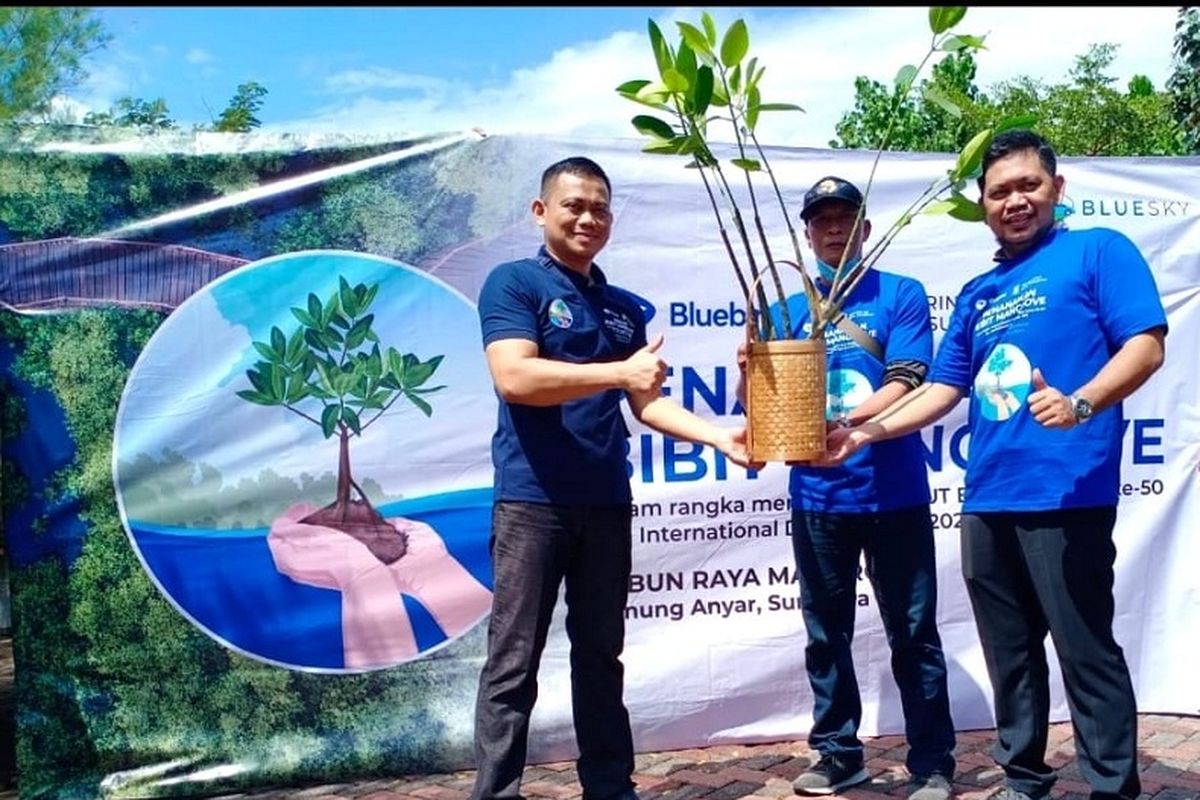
(910, 373)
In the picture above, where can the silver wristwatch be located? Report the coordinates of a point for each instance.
(1081, 407)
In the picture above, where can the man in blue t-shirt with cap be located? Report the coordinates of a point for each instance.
(1046, 344)
(874, 508)
(564, 346)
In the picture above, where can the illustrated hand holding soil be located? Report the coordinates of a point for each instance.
(333, 372)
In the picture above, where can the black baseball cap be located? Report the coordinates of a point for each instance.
(830, 187)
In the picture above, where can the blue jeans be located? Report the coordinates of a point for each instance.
(535, 548)
(1035, 573)
(899, 555)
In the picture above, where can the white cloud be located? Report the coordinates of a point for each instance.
(198, 55)
(364, 80)
(812, 58)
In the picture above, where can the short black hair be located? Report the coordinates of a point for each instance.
(575, 165)
(1015, 141)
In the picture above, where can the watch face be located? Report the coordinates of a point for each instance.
(1082, 408)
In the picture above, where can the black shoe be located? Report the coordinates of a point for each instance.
(830, 775)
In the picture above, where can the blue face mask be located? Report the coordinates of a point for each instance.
(828, 271)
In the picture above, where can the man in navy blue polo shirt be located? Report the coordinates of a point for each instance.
(1046, 344)
(564, 346)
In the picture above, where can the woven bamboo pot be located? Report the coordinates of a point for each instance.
(785, 399)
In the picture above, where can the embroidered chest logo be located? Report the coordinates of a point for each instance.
(619, 324)
(560, 314)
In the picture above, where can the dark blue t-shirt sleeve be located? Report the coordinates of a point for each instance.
(1127, 296)
(911, 336)
(508, 308)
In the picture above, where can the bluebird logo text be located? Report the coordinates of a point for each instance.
(691, 315)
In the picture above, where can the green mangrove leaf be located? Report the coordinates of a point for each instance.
(735, 44)
(653, 93)
(972, 155)
(420, 403)
(702, 90)
(662, 51)
(952, 44)
(719, 98)
(672, 147)
(940, 207)
(347, 298)
(675, 81)
(965, 209)
(710, 28)
(971, 42)
(630, 89)
(1018, 121)
(943, 18)
(938, 98)
(685, 63)
(351, 420)
(297, 389)
(753, 99)
(257, 397)
(778, 107)
(329, 419)
(653, 126)
(369, 297)
(905, 77)
(306, 319)
(266, 352)
(695, 39)
(295, 348)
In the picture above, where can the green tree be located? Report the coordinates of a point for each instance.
(43, 54)
(1083, 115)
(239, 115)
(920, 121)
(326, 360)
(1184, 82)
(1088, 116)
(131, 112)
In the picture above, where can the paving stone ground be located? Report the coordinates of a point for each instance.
(1168, 748)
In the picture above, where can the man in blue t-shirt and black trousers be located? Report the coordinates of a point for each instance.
(875, 508)
(564, 346)
(1047, 344)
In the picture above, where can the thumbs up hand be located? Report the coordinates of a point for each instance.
(645, 370)
(1049, 406)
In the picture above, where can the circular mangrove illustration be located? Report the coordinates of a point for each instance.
(846, 389)
(1003, 382)
(292, 467)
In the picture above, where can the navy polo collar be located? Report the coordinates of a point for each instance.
(593, 280)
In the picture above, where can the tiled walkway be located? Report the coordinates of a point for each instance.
(1169, 748)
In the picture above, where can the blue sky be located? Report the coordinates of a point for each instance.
(552, 70)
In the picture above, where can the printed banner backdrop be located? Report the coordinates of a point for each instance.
(246, 456)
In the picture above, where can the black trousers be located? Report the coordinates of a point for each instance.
(536, 548)
(1033, 573)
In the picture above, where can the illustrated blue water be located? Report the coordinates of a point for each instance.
(227, 581)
